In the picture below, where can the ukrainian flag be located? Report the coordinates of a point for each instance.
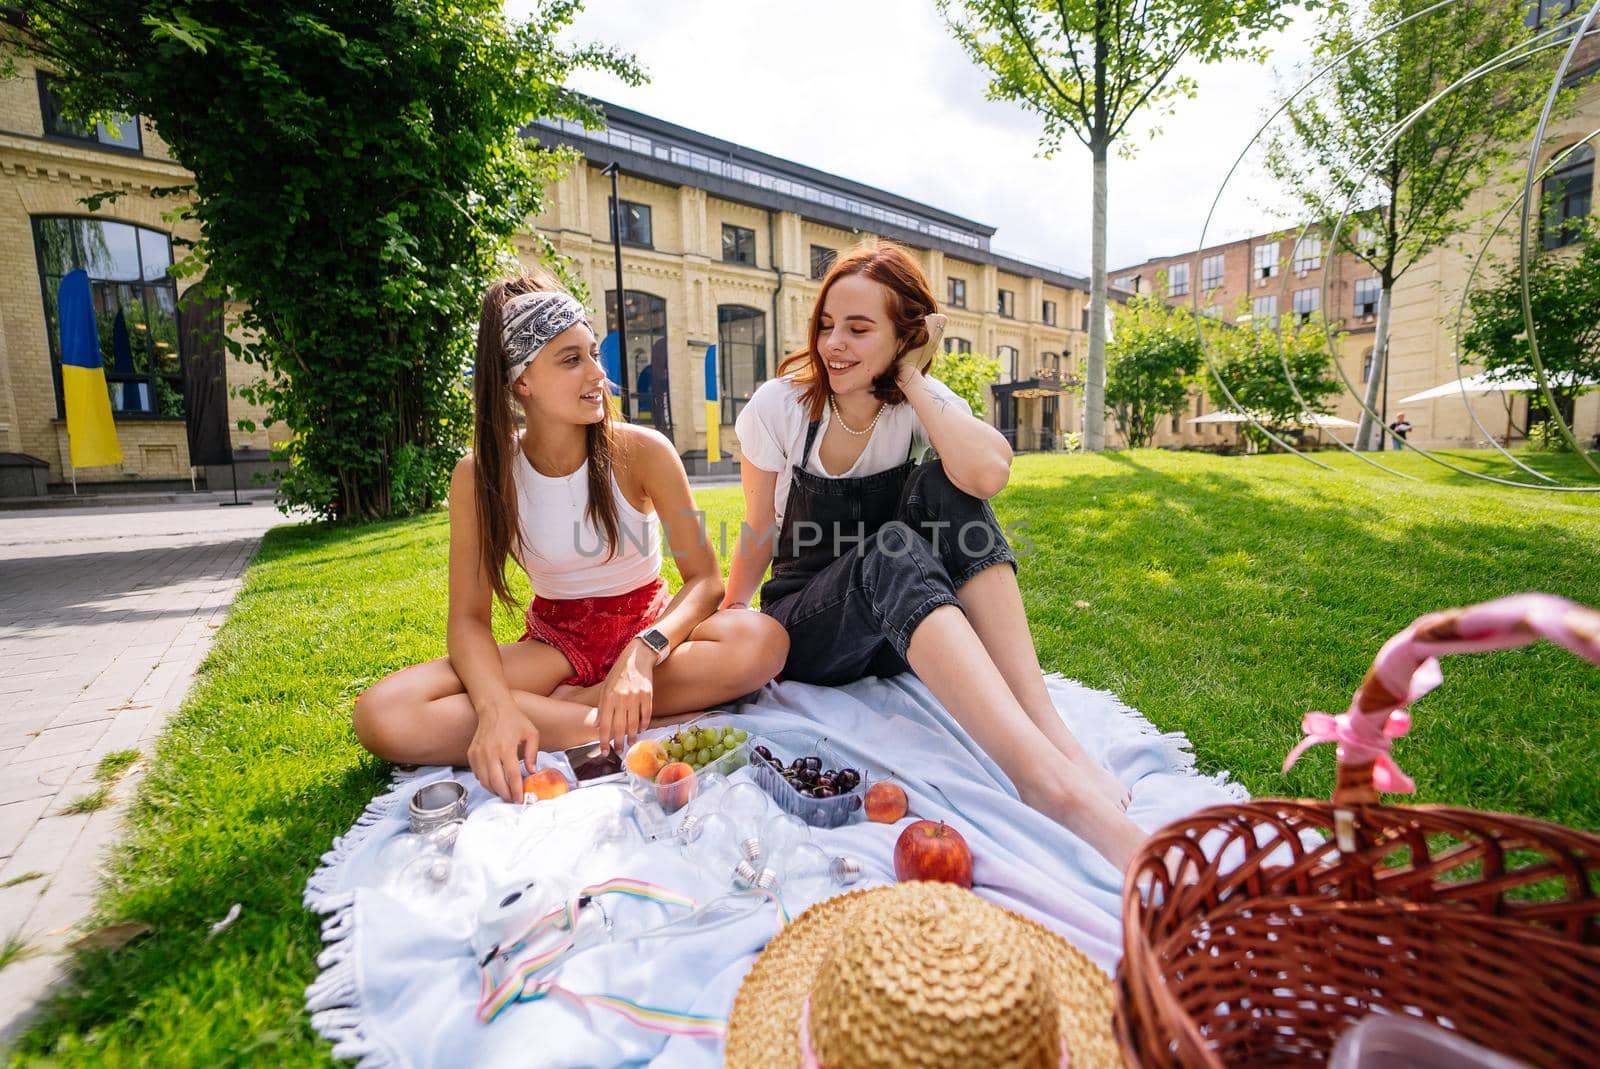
(713, 409)
(90, 430)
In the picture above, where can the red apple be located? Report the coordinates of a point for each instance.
(886, 802)
(932, 850)
(675, 785)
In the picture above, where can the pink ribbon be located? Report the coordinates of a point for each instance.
(1407, 667)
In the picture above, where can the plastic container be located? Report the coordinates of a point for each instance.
(673, 797)
(1389, 1042)
(818, 812)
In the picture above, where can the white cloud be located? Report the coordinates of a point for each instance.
(877, 91)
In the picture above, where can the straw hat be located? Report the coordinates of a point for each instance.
(920, 973)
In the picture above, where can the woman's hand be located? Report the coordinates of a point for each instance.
(626, 696)
(492, 753)
(917, 362)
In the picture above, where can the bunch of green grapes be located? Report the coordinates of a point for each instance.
(699, 746)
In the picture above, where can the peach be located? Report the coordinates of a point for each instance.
(646, 757)
(886, 802)
(545, 783)
(675, 785)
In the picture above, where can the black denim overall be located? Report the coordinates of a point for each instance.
(875, 556)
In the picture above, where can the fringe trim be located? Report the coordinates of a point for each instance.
(1175, 745)
(334, 999)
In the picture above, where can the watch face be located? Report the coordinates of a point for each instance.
(655, 640)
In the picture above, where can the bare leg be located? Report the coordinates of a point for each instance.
(993, 604)
(948, 656)
(421, 715)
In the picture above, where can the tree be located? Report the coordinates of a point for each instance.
(968, 375)
(1408, 191)
(1250, 361)
(1565, 296)
(1150, 363)
(358, 177)
(1086, 68)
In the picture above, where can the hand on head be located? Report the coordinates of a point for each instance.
(917, 361)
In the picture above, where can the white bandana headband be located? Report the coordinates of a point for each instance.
(527, 323)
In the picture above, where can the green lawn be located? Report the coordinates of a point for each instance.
(1225, 596)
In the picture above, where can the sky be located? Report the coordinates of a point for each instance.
(879, 92)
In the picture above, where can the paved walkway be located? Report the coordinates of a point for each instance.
(105, 613)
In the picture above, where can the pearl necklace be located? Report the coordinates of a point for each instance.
(839, 416)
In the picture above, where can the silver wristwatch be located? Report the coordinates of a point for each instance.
(653, 638)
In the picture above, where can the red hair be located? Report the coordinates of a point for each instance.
(908, 299)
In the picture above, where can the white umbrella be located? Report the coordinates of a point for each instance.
(1220, 417)
(1306, 419)
(1481, 383)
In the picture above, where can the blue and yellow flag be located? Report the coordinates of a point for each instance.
(90, 430)
(713, 409)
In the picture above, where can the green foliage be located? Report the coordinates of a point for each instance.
(359, 175)
(1546, 437)
(969, 376)
(1564, 291)
(1252, 363)
(1151, 359)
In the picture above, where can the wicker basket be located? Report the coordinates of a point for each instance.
(1255, 934)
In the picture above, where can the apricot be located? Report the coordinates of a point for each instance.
(646, 757)
(545, 783)
(675, 785)
(886, 802)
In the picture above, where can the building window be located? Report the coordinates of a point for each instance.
(956, 292)
(1367, 242)
(635, 222)
(1007, 305)
(1266, 260)
(135, 306)
(1010, 361)
(1050, 362)
(1128, 283)
(1307, 301)
(738, 244)
(1307, 255)
(1566, 196)
(1367, 291)
(1211, 272)
(1542, 13)
(741, 355)
(1213, 311)
(122, 134)
(1366, 365)
(644, 365)
(957, 345)
(822, 258)
(1177, 280)
(1265, 311)
(1048, 313)
(1085, 327)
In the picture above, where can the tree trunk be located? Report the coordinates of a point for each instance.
(1094, 375)
(1371, 430)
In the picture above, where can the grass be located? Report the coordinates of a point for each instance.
(92, 802)
(113, 765)
(1225, 596)
(14, 949)
(23, 878)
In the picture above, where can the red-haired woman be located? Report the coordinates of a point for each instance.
(881, 564)
(580, 502)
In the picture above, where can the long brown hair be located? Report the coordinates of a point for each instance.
(494, 443)
(909, 300)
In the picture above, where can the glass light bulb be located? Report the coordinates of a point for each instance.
(716, 851)
(779, 837)
(809, 870)
(713, 785)
(746, 805)
(399, 851)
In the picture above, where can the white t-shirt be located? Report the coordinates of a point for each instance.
(772, 432)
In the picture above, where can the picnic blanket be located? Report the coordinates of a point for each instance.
(399, 985)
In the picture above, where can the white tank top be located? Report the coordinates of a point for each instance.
(564, 554)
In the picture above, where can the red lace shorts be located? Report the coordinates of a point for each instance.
(592, 632)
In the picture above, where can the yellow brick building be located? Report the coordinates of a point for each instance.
(47, 167)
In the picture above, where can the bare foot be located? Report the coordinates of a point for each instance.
(1100, 780)
(1085, 811)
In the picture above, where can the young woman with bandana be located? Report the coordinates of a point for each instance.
(579, 500)
(881, 564)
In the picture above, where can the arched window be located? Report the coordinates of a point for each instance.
(1567, 193)
(741, 355)
(644, 365)
(135, 306)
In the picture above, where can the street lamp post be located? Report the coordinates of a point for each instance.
(612, 170)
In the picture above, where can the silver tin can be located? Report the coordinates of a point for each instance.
(436, 804)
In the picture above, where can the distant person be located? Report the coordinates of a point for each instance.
(579, 500)
(1400, 428)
